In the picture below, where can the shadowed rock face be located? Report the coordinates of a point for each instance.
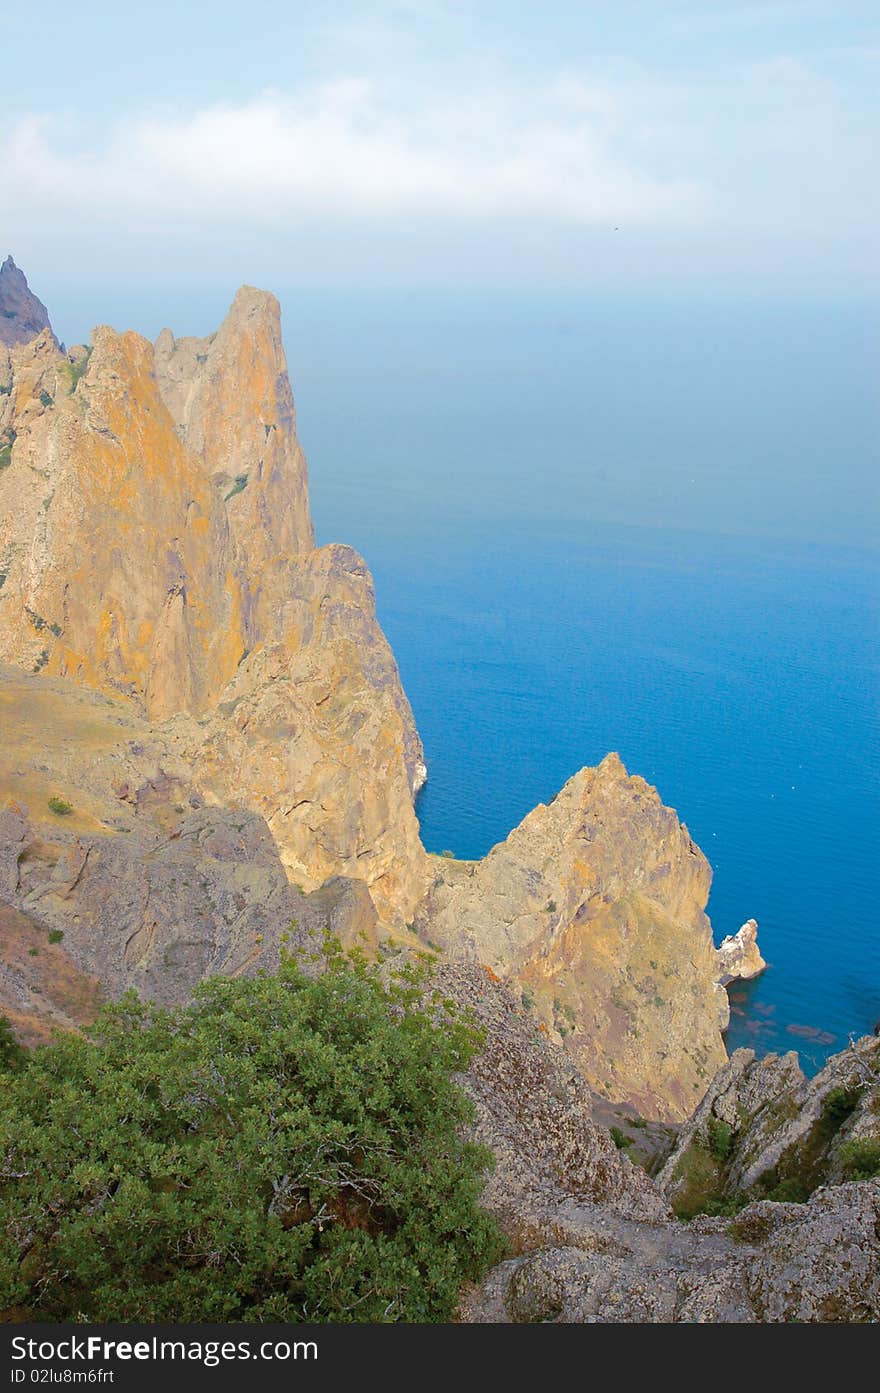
(109, 844)
(595, 907)
(22, 315)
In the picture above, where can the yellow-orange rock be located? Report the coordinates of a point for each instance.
(156, 544)
(595, 906)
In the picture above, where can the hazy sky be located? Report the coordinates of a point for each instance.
(429, 142)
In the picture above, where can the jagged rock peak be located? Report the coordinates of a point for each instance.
(594, 906)
(22, 316)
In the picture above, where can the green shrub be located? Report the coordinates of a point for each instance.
(450, 855)
(620, 1138)
(75, 371)
(791, 1190)
(7, 440)
(240, 483)
(719, 1138)
(837, 1105)
(860, 1159)
(12, 1056)
(727, 1207)
(55, 935)
(46, 400)
(59, 806)
(527, 1000)
(285, 1148)
(551, 906)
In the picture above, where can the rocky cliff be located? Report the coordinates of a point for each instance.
(171, 631)
(595, 907)
(207, 752)
(156, 546)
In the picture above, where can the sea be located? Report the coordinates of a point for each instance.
(642, 522)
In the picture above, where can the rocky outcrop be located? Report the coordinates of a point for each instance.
(156, 546)
(595, 907)
(230, 400)
(776, 1263)
(764, 1130)
(109, 846)
(738, 956)
(22, 316)
(591, 1237)
(144, 556)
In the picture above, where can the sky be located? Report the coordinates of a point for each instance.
(430, 143)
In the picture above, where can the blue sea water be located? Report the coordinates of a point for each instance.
(642, 526)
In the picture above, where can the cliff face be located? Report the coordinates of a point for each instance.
(156, 545)
(22, 315)
(150, 546)
(595, 906)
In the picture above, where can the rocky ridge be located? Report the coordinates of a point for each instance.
(22, 315)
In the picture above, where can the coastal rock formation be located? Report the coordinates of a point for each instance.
(156, 546)
(207, 754)
(738, 955)
(22, 315)
(595, 907)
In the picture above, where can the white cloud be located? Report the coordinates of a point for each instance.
(342, 151)
(764, 166)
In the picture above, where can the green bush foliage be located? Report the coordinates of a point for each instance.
(860, 1159)
(286, 1148)
(837, 1106)
(12, 1056)
(719, 1138)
